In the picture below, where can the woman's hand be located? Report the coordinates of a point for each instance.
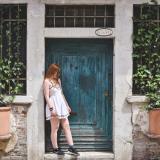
(53, 114)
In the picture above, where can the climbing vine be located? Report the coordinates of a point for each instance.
(12, 49)
(146, 53)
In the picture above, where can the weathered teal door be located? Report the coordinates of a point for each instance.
(86, 74)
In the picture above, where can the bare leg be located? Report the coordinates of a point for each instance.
(54, 129)
(67, 131)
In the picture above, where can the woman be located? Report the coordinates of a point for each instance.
(57, 108)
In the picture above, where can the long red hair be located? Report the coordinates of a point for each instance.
(53, 72)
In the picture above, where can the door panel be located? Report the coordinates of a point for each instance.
(70, 78)
(87, 90)
(86, 74)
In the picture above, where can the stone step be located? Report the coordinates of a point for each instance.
(86, 139)
(81, 131)
(87, 148)
(86, 143)
(81, 148)
(83, 156)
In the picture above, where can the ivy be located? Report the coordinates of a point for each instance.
(12, 65)
(11, 70)
(146, 55)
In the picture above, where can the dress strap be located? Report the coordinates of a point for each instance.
(60, 83)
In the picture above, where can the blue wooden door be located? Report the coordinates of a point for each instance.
(86, 74)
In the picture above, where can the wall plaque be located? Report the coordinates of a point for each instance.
(103, 32)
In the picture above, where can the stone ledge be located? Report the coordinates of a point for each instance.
(74, 32)
(137, 99)
(139, 116)
(72, 2)
(23, 100)
(83, 155)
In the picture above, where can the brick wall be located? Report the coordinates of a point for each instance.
(145, 148)
(19, 134)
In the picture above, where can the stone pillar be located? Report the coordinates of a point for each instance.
(122, 127)
(35, 70)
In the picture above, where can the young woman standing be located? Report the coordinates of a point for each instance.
(57, 109)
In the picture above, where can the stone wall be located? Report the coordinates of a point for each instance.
(16, 147)
(145, 147)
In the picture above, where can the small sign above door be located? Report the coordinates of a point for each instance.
(103, 32)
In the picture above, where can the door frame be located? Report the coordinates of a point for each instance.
(82, 33)
(111, 82)
(122, 72)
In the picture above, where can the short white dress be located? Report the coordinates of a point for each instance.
(58, 100)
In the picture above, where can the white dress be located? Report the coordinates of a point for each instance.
(58, 100)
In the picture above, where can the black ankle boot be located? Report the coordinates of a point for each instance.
(73, 151)
(58, 151)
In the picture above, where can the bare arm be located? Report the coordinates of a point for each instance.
(46, 86)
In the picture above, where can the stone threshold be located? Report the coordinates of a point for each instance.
(83, 156)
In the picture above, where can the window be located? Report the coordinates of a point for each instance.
(79, 16)
(146, 45)
(152, 11)
(13, 29)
